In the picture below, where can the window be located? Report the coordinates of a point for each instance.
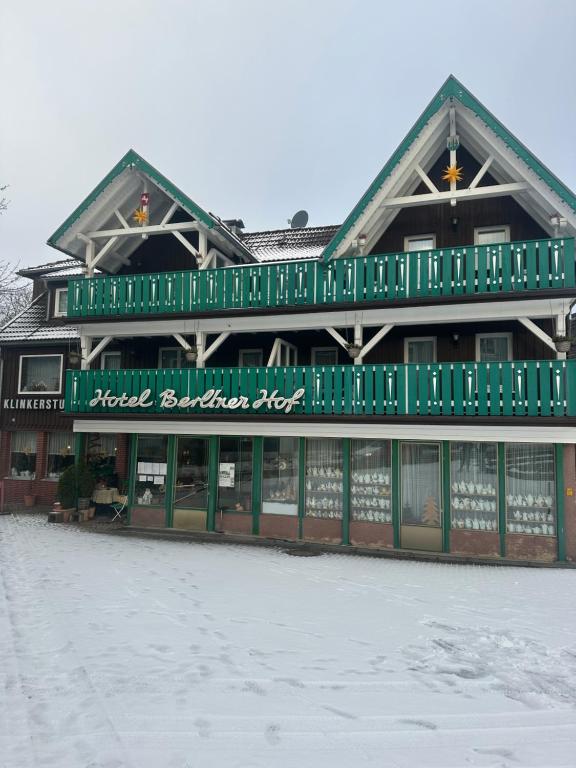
(191, 486)
(474, 486)
(40, 373)
(151, 470)
(370, 481)
(101, 457)
(530, 489)
(493, 347)
(324, 356)
(420, 242)
(173, 357)
(110, 361)
(324, 473)
(60, 302)
(489, 235)
(235, 474)
(250, 358)
(23, 455)
(420, 349)
(60, 453)
(280, 476)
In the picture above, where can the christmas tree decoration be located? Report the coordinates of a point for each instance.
(431, 514)
(141, 214)
(452, 173)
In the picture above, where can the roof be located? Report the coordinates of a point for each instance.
(452, 91)
(121, 187)
(54, 270)
(32, 325)
(288, 244)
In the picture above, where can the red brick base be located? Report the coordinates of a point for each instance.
(234, 522)
(44, 492)
(378, 535)
(149, 517)
(482, 543)
(279, 526)
(520, 547)
(315, 529)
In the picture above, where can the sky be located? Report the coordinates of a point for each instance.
(257, 108)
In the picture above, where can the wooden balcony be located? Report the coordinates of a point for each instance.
(507, 389)
(475, 270)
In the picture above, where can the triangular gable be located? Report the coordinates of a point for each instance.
(452, 91)
(65, 234)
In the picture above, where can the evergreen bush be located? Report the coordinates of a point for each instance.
(75, 482)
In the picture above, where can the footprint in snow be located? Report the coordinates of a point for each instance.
(271, 734)
(420, 723)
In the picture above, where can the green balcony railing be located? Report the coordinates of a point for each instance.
(461, 271)
(520, 388)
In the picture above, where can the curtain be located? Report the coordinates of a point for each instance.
(41, 374)
(24, 442)
(101, 444)
(474, 486)
(61, 443)
(420, 487)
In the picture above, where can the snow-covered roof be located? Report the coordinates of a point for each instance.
(289, 244)
(33, 325)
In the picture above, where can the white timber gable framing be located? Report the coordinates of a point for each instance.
(454, 124)
(104, 231)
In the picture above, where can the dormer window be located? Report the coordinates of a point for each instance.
(60, 302)
(420, 243)
(489, 235)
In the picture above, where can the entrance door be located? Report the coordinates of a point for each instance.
(420, 496)
(191, 485)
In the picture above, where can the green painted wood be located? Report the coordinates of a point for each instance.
(446, 496)
(131, 475)
(395, 469)
(257, 463)
(171, 481)
(560, 521)
(346, 491)
(301, 484)
(519, 388)
(212, 482)
(529, 265)
(501, 500)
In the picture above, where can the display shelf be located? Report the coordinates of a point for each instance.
(323, 496)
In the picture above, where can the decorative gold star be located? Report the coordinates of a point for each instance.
(140, 216)
(452, 173)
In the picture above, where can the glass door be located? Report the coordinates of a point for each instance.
(420, 496)
(191, 483)
(235, 475)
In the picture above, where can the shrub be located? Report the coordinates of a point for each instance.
(76, 481)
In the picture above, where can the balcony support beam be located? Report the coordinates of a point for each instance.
(340, 339)
(537, 331)
(179, 236)
(96, 351)
(182, 341)
(494, 190)
(152, 229)
(378, 336)
(482, 172)
(85, 348)
(220, 339)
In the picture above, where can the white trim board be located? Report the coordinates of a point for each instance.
(465, 432)
(470, 312)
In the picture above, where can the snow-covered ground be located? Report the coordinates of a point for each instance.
(163, 654)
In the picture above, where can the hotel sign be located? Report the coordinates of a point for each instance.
(211, 399)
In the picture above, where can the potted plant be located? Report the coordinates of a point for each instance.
(353, 350)
(67, 492)
(29, 497)
(85, 483)
(562, 343)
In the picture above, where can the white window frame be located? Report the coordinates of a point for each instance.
(251, 350)
(39, 392)
(479, 336)
(495, 228)
(322, 349)
(412, 238)
(104, 355)
(433, 339)
(57, 294)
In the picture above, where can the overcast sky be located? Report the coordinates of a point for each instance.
(257, 108)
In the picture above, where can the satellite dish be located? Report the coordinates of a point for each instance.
(299, 220)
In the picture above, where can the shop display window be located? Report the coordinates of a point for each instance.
(151, 470)
(235, 474)
(280, 476)
(530, 489)
(60, 453)
(101, 457)
(421, 501)
(324, 478)
(370, 486)
(474, 486)
(23, 455)
(191, 488)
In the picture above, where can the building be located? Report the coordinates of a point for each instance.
(396, 382)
